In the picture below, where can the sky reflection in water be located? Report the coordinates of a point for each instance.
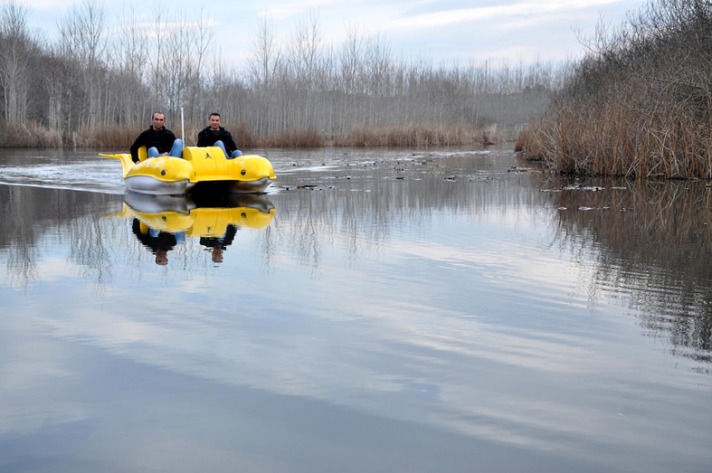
(411, 311)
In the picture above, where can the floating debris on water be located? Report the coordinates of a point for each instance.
(584, 188)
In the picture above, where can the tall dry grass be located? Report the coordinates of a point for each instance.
(105, 137)
(306, 138)
(416, 136)
(421, 136)
(28, 135)
(641, 106)
(120, 137)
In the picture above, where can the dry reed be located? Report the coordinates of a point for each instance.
(421, 136)
(120, 137)
(29, 135)
(641, 106)
(293, 139)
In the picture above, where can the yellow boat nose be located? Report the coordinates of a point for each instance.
(251, 167)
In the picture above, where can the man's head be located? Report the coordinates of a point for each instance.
(214, 120)
(161, 257)
(158, 119)
(217, 255)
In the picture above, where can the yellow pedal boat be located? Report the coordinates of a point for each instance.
(168, 175)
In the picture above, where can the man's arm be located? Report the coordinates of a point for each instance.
(167, 138)
(202, 138)
(229, 142)
(135, 146)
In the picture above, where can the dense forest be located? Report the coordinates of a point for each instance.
(96, 86)
(639, 104)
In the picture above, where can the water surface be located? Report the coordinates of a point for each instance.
(419, 311)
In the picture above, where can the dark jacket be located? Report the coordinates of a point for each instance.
(163, 241)
(208, 137)
(162, 139)
(222, 242)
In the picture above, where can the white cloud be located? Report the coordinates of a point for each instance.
(443, 31)
(47, 5)
(532, 11)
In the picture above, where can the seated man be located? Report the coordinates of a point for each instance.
(158, 140)
(215, 135)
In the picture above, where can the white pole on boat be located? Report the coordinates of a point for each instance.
(182, 124)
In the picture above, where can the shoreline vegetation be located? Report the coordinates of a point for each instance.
(639, 105)
(99, 82)
(32, 135)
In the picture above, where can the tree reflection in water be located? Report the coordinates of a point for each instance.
(649, 237)
(646, 237)
(427, 287)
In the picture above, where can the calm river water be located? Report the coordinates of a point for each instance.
(376, 311)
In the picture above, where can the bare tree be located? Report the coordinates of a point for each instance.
(202, 41)
(14, 61)
(263, 66)
(82, 38)
(129, 58)
(102, 77)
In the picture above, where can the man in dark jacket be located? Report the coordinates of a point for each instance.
(218, 245)
(215, 135)
(158, 140)
(160, 243)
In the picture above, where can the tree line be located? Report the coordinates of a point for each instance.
(97, 85)
(640, 103)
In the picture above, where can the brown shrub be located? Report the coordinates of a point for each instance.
(293, 139)
(243, 136)
(527, 145)
(28, 135)
(105, 137)
(421, 136)
(639, 106)
(489, 135)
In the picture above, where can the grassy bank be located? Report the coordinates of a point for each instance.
(640, 105)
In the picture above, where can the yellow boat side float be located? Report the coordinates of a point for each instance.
(168, 175)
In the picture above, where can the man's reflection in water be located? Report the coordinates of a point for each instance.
(218, 245)
(159, 242)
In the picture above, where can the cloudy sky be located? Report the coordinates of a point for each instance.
(440, 31)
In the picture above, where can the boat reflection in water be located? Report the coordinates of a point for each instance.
(162, 222)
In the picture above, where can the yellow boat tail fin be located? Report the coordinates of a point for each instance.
(142, 154)
(126, 161)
